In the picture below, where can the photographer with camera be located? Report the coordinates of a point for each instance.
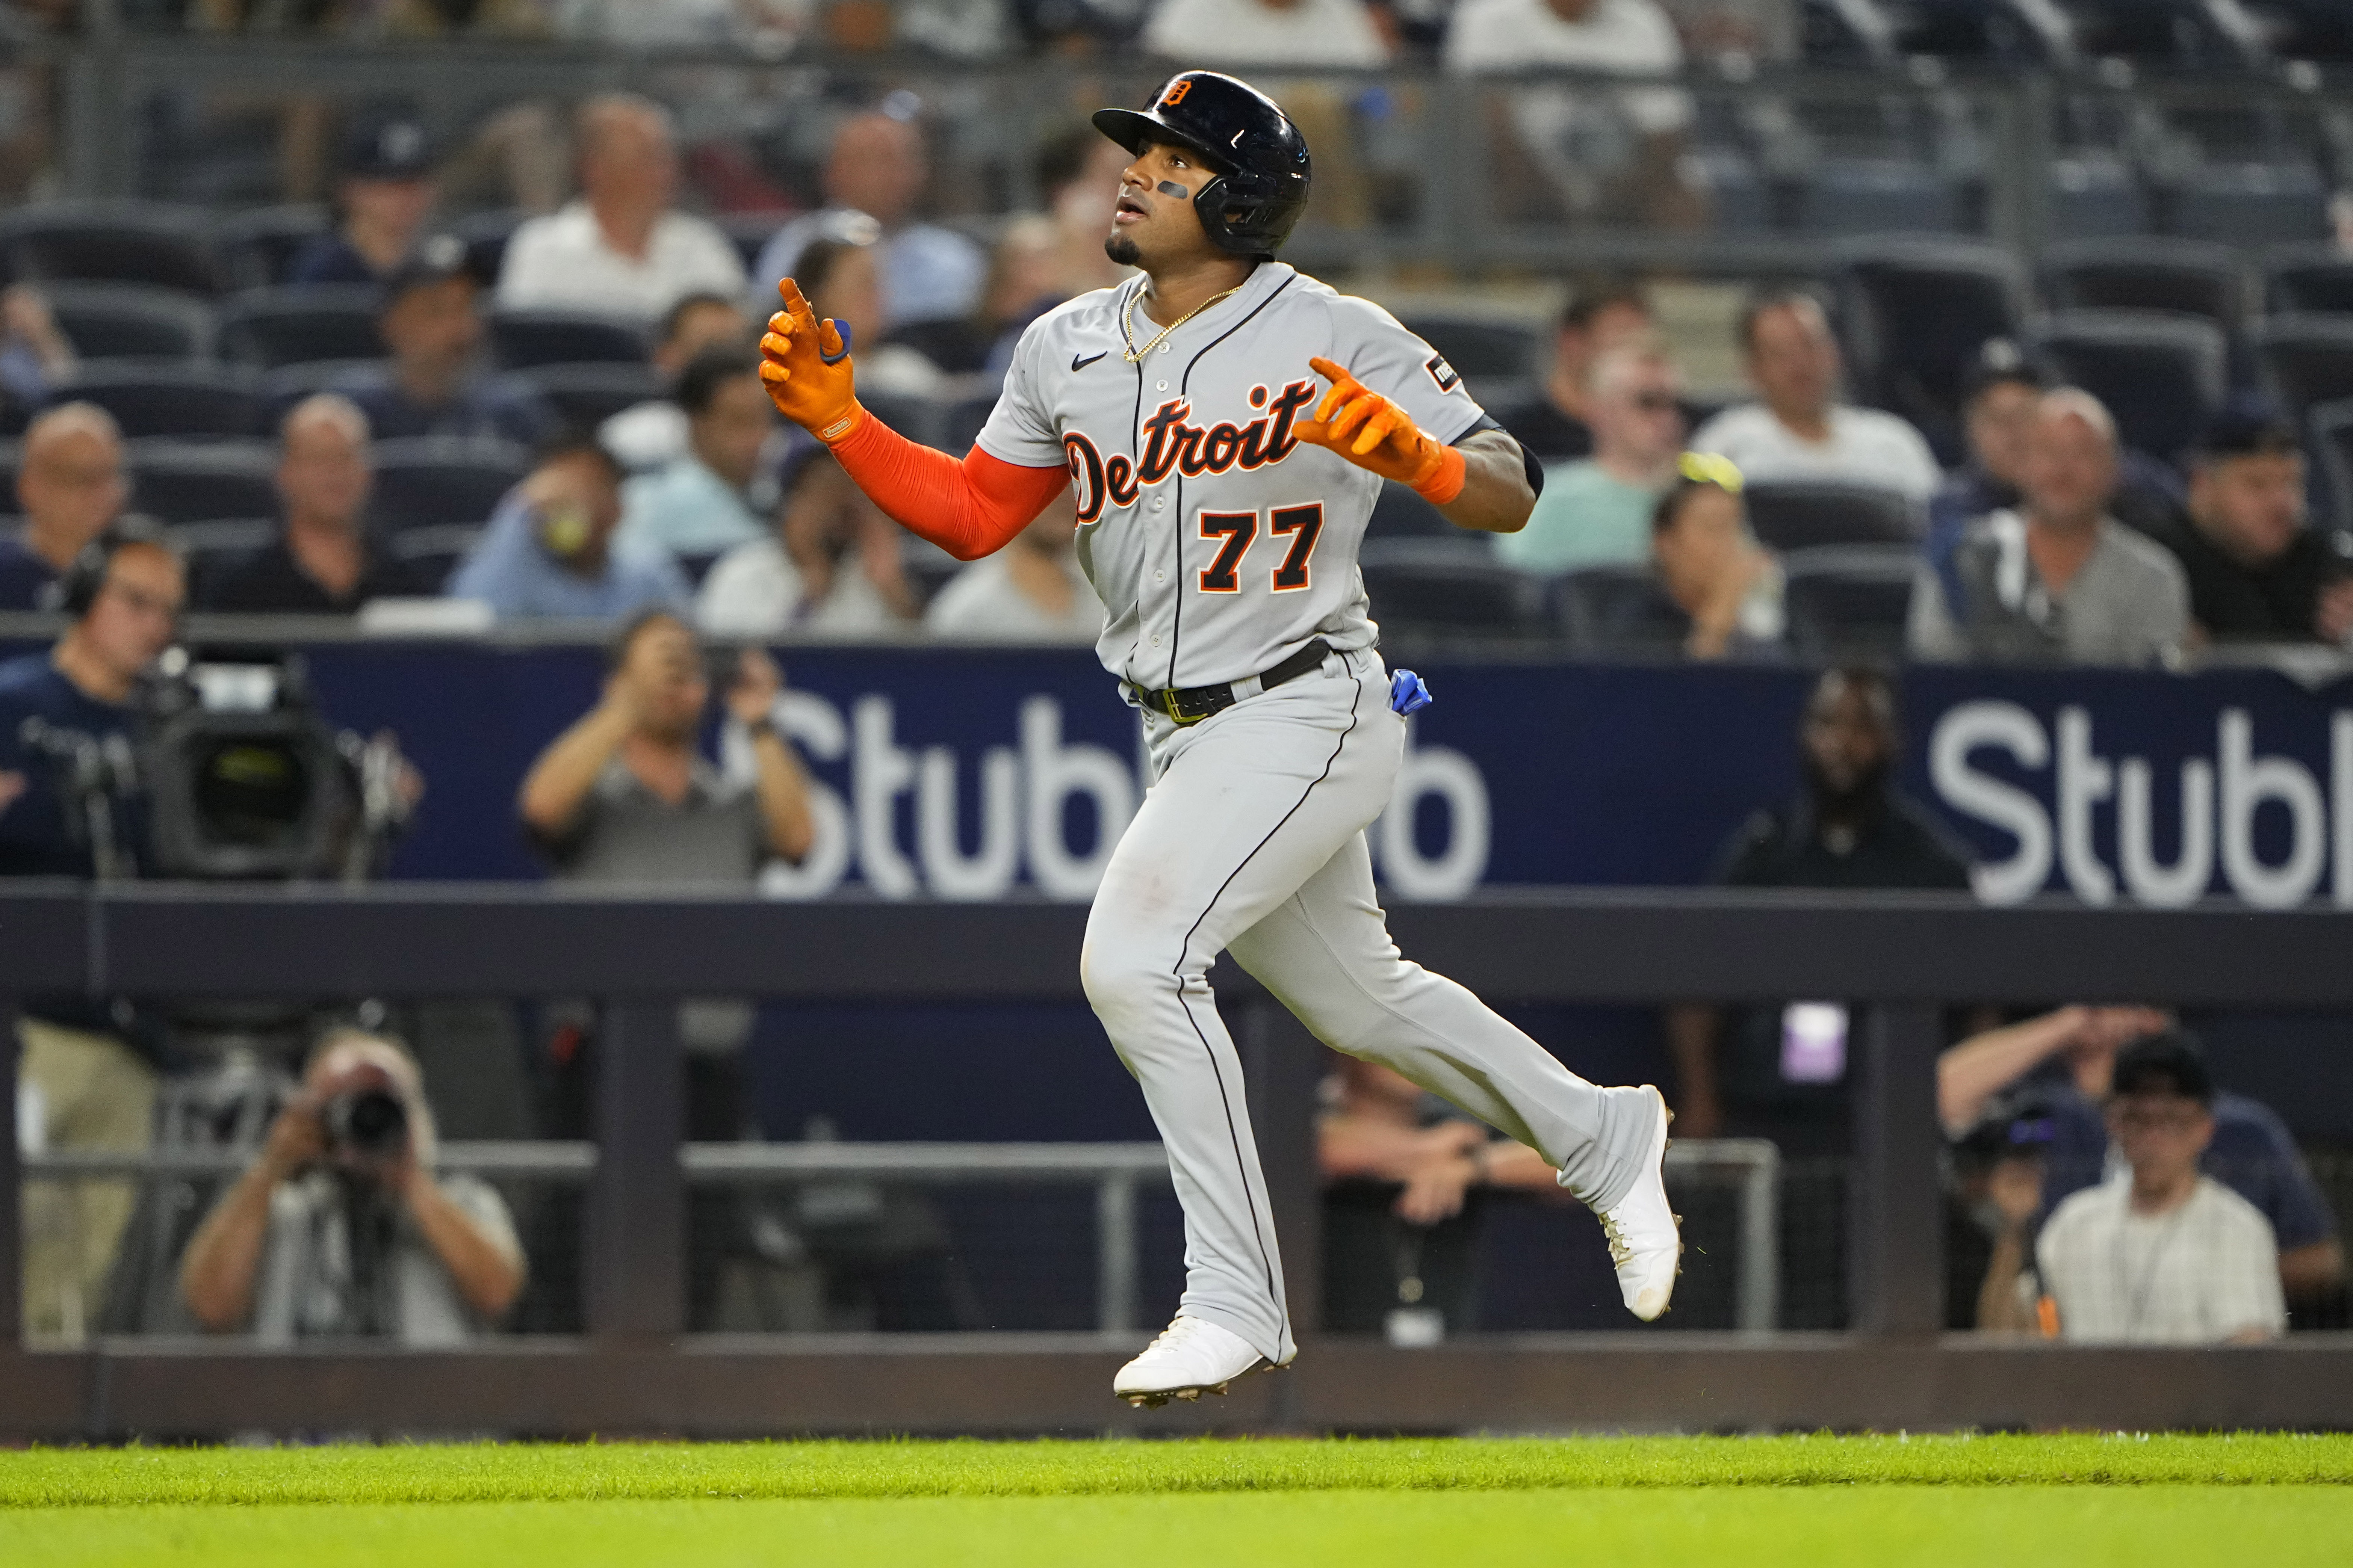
(341, 1226)
(85, 1077)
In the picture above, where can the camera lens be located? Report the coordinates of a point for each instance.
(370, 1121)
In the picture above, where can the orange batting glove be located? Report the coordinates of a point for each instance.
(1374, 433)
(805, 363)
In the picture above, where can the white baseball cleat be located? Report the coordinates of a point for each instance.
(1190, 1358)
(1644, 1244)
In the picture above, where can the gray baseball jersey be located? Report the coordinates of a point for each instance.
(1219, 542)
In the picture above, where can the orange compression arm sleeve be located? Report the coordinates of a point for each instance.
(967, 508)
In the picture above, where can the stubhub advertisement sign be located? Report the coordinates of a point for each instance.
(978, 773)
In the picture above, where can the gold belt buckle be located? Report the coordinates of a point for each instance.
(1175, 710)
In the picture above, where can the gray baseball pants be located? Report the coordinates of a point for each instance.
(1251, 840)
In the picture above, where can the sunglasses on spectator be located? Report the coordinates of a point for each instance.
(1707, 468)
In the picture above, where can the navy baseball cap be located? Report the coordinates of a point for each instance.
(437, 258)
(386, 145)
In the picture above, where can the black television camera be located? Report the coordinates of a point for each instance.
(238, 778)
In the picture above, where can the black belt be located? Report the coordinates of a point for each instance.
(1191, 704)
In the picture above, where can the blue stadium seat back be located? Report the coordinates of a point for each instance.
(485, 235)
(2251, 203)
(1616, 612)
(434, 481)
(2316, 279)
(2171, 33)
(1427, 586)
(2162, 376)
(749, 233)
(2147, 272)
(112, 242)
(1915, 312)
(1399, 513)
(958, 424)
(2310, 29)
(438, 549)
(1992, 31)
(525, 339)
(131, 321)
(1848, 602)
(2304, 360)
(154, 397)
(921, 419)
(1799, 516)
(2329, 429)
(289, 384)
(2095, 195)
(301, 323)
(584, 395)
(1480, 348)
(180, 482)
(1879, 195)
(1738, 200)
(257, 247)
(217, 546)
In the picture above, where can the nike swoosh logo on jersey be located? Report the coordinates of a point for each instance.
(1078, 363)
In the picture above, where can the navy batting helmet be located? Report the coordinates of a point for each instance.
(1254, 203)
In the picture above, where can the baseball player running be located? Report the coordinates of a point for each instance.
(1226, 424)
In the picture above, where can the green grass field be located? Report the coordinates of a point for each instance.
(2080, 1501)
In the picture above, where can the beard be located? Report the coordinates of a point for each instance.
(1850, 798)
(1122, 249)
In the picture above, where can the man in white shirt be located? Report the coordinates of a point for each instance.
(830, 568)
(1291, 33)
(878, 169)
(1799, 431)
(620, 247)
(2160, 1254)
(1571, 136)
(1031, 590)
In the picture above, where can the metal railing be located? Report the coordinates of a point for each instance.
(1897, 958)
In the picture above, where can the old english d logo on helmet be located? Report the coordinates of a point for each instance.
(1262, 169)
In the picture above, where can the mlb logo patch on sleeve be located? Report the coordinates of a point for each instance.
(1442, 373)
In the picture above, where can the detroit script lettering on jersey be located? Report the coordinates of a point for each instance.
(1174, 445)
(1218, 541)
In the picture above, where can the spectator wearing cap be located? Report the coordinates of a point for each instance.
(1602, 314)
(1597, 510)
(550, 551)
(1998, 405)
(2162, 1254)
(2064, 1062)
(1030, 591)
(830, 567)
(70, 484)
(876, 171)
(2057, 579)
(622, 248)
(647, 435)
(1798, 429)
(703, 501)
(433, 383)
(386, 193)
(2256, 571)
(322, 562)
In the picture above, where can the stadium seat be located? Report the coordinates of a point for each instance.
(584, 395)
(486, 235)
(1427, 587)
(2330, 426)
(130, 320)
(1848, 602)
(149, 398)
(2257, 202)
(1879, 196)
(2162, 376)
(196, 482)
(434, 481)
(2093, 193)
(257, 247)
(298, 323)
(2147, 272)
(959, 423)
(1980, 30)
(436, 547)
(212, 547)
(1399, 513)
(749, 233)
(1915, 312)
(1797, 516)
(1616, 611)
(2305, 360)
(1481, 350)
(2317, 279)
(2166, 33)
(525, 339)
(918, 419)
(111, 242)
(2310, 29)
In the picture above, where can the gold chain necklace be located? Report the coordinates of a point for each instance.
(1127, 319)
